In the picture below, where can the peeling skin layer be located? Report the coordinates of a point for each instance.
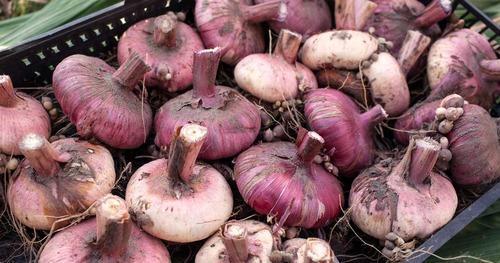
(231, 128)
(27, 116)
(274, 181)
(453, 67)
(341, 49)
(200, 209)
(37, 201)
(221, 24)
(382, 201)
(393, 18)
(306, 17)
(350, 145)
(271, 78)
(77, 244)
(98, 105)
(260, 244)
(178, 61)
(475, 146)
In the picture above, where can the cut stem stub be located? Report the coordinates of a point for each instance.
(235, 240)
(113, 225)
(205, 66)
(40, 154)
(309, 145)
(184, 150)
(414, 45)
(288, 45)
(164, 32)
(271, 10)
(423, 158)
(131, 72)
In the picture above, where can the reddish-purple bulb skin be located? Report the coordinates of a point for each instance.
(222, 23)
(25, 116)
(77, 244)
(98, 105)
(475, 147)
(273, 180)
(347, 132)
(176, 61)
(416, 118)
(454, 67)
(393, 18)
(306, 17)
(232, 127)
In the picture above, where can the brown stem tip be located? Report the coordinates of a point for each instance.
(271, 10)
(113, 225)
(205, 66)
(184, 150)
(423, 159)
(288, 45)
(40, 154)
(309, 146)
(436, 11)
(234, 237)
(164, 32)
(414, 45)
(132, 71)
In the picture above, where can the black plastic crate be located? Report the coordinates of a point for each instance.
(32, 62)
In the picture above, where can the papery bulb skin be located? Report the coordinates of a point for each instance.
(457, 64)
(475, 147)
(232, 121)
(177, 200)
(100, 101)
(304, 17)
(169, 54)
(388, 85)
(57, 180)
(341, 49)
(418, 117)
(20, 114)
(274, 180)
(347, 131)
(234, 25)
(406, 198)
(123, 241)
(253, 241)
(392, 19)
(275, 77)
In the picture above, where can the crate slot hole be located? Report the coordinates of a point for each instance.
(55, 49)
(40, 55)
(26, 61)
(91, 49)
(167, 5)
(69, 43)
(104, 44)
(37, 74)
(145, 9)
(51, 67)
(83, 37)
(97, 32)
(110, 26)
(117, 38)
(123, 20)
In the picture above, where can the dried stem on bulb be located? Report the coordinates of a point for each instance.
(374, 116)
(8, 96)
(317, 251)
(287, 46)
(412, 49)
(436, 11)
(131, 72)
(183, 152)
(205, 67)
(113, 225)
(235, 240)
(272, 10)
(40, 154)
(309, 145)
(422, 159)
(164, 32)
(491, 68)
(353, 14)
